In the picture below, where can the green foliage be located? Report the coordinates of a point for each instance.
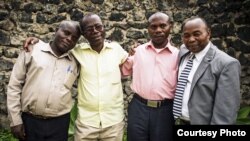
(5, 135)
(125, 137)
(73, 115)
(244, 116)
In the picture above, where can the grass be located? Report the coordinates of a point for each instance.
(5, 135)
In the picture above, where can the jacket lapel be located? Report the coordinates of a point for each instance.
(203, 66)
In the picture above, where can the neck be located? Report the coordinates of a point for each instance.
(55, 50)
(161, 45)
(97, 47)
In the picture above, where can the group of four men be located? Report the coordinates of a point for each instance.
(39, 98)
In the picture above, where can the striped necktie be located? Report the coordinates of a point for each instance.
(180, 87)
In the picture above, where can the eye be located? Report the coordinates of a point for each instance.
(197, 34)
(66, 32)
(185, 35)
(99, 27)
(89, 29)
(163, 25)
(153, 27)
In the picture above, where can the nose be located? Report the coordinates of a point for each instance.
(95, 29)
(69, 39)
(158, 29)
(191, 39)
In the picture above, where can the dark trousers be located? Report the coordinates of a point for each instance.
(52, 129)
(148, 123)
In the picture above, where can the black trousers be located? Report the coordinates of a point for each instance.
(148, 123)
(52, 129)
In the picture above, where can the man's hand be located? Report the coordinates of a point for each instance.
(29, 41)
(132, 49)
(18, 131)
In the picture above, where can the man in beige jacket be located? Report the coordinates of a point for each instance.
(38, 96)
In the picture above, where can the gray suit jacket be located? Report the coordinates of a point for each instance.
(215, 89)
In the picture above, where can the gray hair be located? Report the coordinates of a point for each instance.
(159, 14)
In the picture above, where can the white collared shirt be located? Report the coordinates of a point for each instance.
(196, 62)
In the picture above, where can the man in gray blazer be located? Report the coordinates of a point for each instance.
(210, 93)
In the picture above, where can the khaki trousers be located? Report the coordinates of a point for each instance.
(89, 133)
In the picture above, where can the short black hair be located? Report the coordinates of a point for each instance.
(82, 21)
(192, 18)
(160, 14)
(64, 23)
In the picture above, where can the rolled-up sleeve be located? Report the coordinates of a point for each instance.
(127, 67)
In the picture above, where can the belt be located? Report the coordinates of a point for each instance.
(37, 116)
(180, 121)
(153, 103)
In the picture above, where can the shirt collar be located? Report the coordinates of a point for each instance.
(47, 48)
(200, 55)
(107, 44)
(168, 47)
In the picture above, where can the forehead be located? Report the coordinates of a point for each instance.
(70, 28)
(195, 24)
(92, 20)
(158, 20)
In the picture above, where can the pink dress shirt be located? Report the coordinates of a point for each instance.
(154, 72)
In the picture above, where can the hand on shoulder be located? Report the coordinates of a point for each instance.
(133, 47)
(29, 41)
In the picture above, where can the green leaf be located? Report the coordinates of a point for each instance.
(73, 115)
(5, 135)
(244, 121)
(244, 112)
(125, 136)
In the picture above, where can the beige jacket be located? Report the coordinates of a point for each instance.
(40, 84)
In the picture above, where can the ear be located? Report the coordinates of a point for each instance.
(171, 24)
(209, 32)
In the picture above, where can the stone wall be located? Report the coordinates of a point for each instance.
(125, 21)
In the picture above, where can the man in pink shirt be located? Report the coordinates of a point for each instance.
(154, 69)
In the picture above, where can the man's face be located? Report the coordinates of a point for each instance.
(93, 30)
(66, 37)
(195, 35)
(159, 29)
